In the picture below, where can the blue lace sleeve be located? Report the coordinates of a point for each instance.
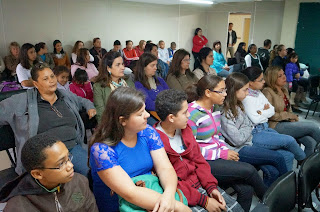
(153, 138)
(104, 157)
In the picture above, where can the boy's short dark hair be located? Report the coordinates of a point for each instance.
(32, 153)
(116, 43)
(60, 69)
(169, 102)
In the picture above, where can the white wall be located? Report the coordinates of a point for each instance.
(71, 20)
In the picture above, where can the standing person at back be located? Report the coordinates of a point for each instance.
(231, 40)
(199, 41)
(264, 54)
(97, 52)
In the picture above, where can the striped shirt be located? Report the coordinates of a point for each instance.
(206, 126)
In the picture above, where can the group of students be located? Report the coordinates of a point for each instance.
(188, 141)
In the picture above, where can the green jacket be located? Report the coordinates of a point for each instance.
(101, 95)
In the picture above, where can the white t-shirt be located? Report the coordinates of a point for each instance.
(176, 142)
(230, 38)
(163, 55)
(23, 74)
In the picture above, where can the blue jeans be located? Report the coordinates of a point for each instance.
(80, 160)
(306, 133)
(225, 73)
(271, 162)
(268, 138)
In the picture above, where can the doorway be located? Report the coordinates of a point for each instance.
(241, 25)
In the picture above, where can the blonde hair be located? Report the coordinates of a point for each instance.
(271, 77)
(275, 53)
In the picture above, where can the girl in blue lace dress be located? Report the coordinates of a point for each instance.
(124, 146)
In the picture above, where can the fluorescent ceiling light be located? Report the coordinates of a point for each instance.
(199, 1)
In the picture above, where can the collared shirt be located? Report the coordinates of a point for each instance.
(57, 120)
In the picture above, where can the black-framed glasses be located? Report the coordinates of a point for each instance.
(224, 91)
(62, 165)
(260, 80)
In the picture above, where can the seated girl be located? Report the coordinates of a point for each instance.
(194, 173)
(258, 109)
(252, 58)
(236, 127)
(124, 146)
(147, 81)
(241, 53)
(77, 46)
(219, 62)
(284, 121)
(81, 86)
(83, 59)
(59, 56)
(180, 77)
(129, 54)
(62, 73)
(111, 76)
(206, 60)
(28, 57)
(204, 121)
(43, 55)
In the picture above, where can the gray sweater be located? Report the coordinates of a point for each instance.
(21, 113)
(237, 132)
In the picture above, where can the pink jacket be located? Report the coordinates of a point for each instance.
(82, 90)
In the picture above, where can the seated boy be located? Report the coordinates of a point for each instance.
(194, 173)
(50, 184)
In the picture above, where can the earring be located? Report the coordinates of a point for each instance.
(110, 72)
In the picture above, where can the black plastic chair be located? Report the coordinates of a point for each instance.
(313, 94)
(281, 196)
(308, 179)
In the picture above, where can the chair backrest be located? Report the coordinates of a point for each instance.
(281, 196)
(309, 178)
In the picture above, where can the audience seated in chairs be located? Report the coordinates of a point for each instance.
(278, 56)
(180, 77)
(172, 49)
(206, 60)
(140, 48)
(162, 67)
(62, 74)
(284, 121)
(59, 56)
(252, 58)
(97, 52)
(241, 53)
(117, 47)
(197, 183)
(46, 109)
(205, 124)
(111, 76)
(28, 57)
(43, 55)
(83, 62)
(147, 81)
(124, 148)
(163, 53)
(49, 183)
(258, 109)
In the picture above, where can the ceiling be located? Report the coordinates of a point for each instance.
(174, 2)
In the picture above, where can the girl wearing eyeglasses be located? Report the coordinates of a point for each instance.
(180, 76)
(258, 109)
(204, 120)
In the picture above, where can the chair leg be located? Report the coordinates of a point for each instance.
(317, 193)
(309, 109)
(315, 108)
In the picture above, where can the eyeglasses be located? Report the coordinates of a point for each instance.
(63, 164)
(260, 80)
(224, 91)
(186, 60)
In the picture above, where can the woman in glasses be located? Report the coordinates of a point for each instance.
(180, 77)
(44, 109)
(204, 120)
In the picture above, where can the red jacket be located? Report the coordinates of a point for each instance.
(198, 43)
(138, 51)
(192, 169)
(84, 91)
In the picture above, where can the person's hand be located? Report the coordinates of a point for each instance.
(217, 195)
(297, 76)
(180, 207)
(214, 206)
(266, 107)
(226, 67)
(92, 113)
(165, 203)
(232, 155)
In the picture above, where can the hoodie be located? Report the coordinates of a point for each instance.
(25, 194)
(192, 169)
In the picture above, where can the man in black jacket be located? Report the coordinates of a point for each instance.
(231, 40)
(97, 52)
(264, 54)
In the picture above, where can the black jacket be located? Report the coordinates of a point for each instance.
(264, 55)
(95, 54)
(234, 37)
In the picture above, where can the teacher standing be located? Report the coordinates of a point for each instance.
(199, 41)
